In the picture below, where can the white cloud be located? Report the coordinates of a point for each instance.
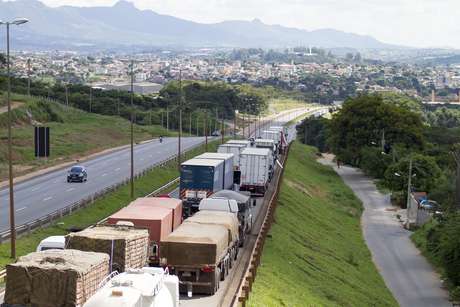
(420, 23)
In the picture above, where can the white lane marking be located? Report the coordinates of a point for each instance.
(20, 209)
(35, 189)
(151, 156)
(117, 169)
(142, 159)
(48, 198)
(71, 189)
(103, 175)
(56, 181)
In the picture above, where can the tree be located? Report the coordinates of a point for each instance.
(362, 122)
(426, 173)
(2, 60)
(316, 132)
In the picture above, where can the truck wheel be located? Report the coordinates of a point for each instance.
(222, 272)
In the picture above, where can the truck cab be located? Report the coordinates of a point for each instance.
(149, 287)
(53, 242)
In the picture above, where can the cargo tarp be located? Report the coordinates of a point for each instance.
(55, 278)
(195, 244)
(227, 219)
(126, 246)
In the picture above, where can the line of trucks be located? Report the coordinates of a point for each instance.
(156, 247)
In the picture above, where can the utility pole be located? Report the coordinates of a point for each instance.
(216, 122)
(383, 140)
(409, 183)
(66, 95)
(244, 128)
(234, 123)
(90, 99)
(206, 130)
(222, 128)
(180, 120)
(190, 124)
(10, 149)
(167, 116)
(132, 129)
(305, 132)
(196, 126)
(456, 155)
(28, 77)
(16, 22)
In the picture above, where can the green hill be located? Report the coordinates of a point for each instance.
(74, 133)
(315, 254)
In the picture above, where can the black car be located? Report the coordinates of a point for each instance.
(77, 173)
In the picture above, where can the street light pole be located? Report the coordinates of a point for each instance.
(409, 183)
(90, 99)
(206, 130)
(28, 77)
(132, 130)
(18, 21)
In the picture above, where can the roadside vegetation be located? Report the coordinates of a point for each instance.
(101, 208)
(327, 262)
(382, 134)
(74, 133)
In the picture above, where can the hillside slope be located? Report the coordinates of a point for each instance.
(74, 133)
(316, 255)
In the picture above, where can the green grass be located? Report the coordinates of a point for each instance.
(101, 208)
(315, 254)
(279, 105)
(74, 133)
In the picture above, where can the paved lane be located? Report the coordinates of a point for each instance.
(406, 272)
(44, 194)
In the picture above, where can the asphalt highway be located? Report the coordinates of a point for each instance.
(44, 194)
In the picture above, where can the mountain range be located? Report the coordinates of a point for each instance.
(124, 25)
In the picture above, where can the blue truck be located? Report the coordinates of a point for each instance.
(228, 165)
(199, 179)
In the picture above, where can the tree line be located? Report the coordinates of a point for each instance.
(218, 99)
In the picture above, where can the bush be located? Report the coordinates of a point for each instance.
(449, 248)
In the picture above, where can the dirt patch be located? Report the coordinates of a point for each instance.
(14, 105)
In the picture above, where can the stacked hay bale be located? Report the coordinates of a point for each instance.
(127, 246)
(55, 278)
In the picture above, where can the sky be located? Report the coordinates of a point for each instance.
(417, 23)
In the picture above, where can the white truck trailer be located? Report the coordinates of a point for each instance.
(240, 142)
(236, 150)
(146, 287)
(256, 166)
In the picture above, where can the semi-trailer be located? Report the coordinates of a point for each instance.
(228, 166)
(201, 250)
(256, 170)
(199, 178)
(173, 204)
(235, 149)
(158, 221)
(272, 135)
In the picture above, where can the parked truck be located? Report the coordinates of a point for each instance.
(225, 204)
(268, 143)
(146, 287)
(257, 167)
(158, 221)
(201, 251)
(199, 178)
(236, 150)
(228, 166)
(240, 142)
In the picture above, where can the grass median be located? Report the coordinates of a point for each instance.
(101, 208)
(315, 254)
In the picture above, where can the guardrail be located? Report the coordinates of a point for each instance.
(83, 203)
(254, 261)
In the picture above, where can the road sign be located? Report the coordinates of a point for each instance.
(42, 142)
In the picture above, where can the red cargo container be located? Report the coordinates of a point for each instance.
(157, 220)
(161, 202)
